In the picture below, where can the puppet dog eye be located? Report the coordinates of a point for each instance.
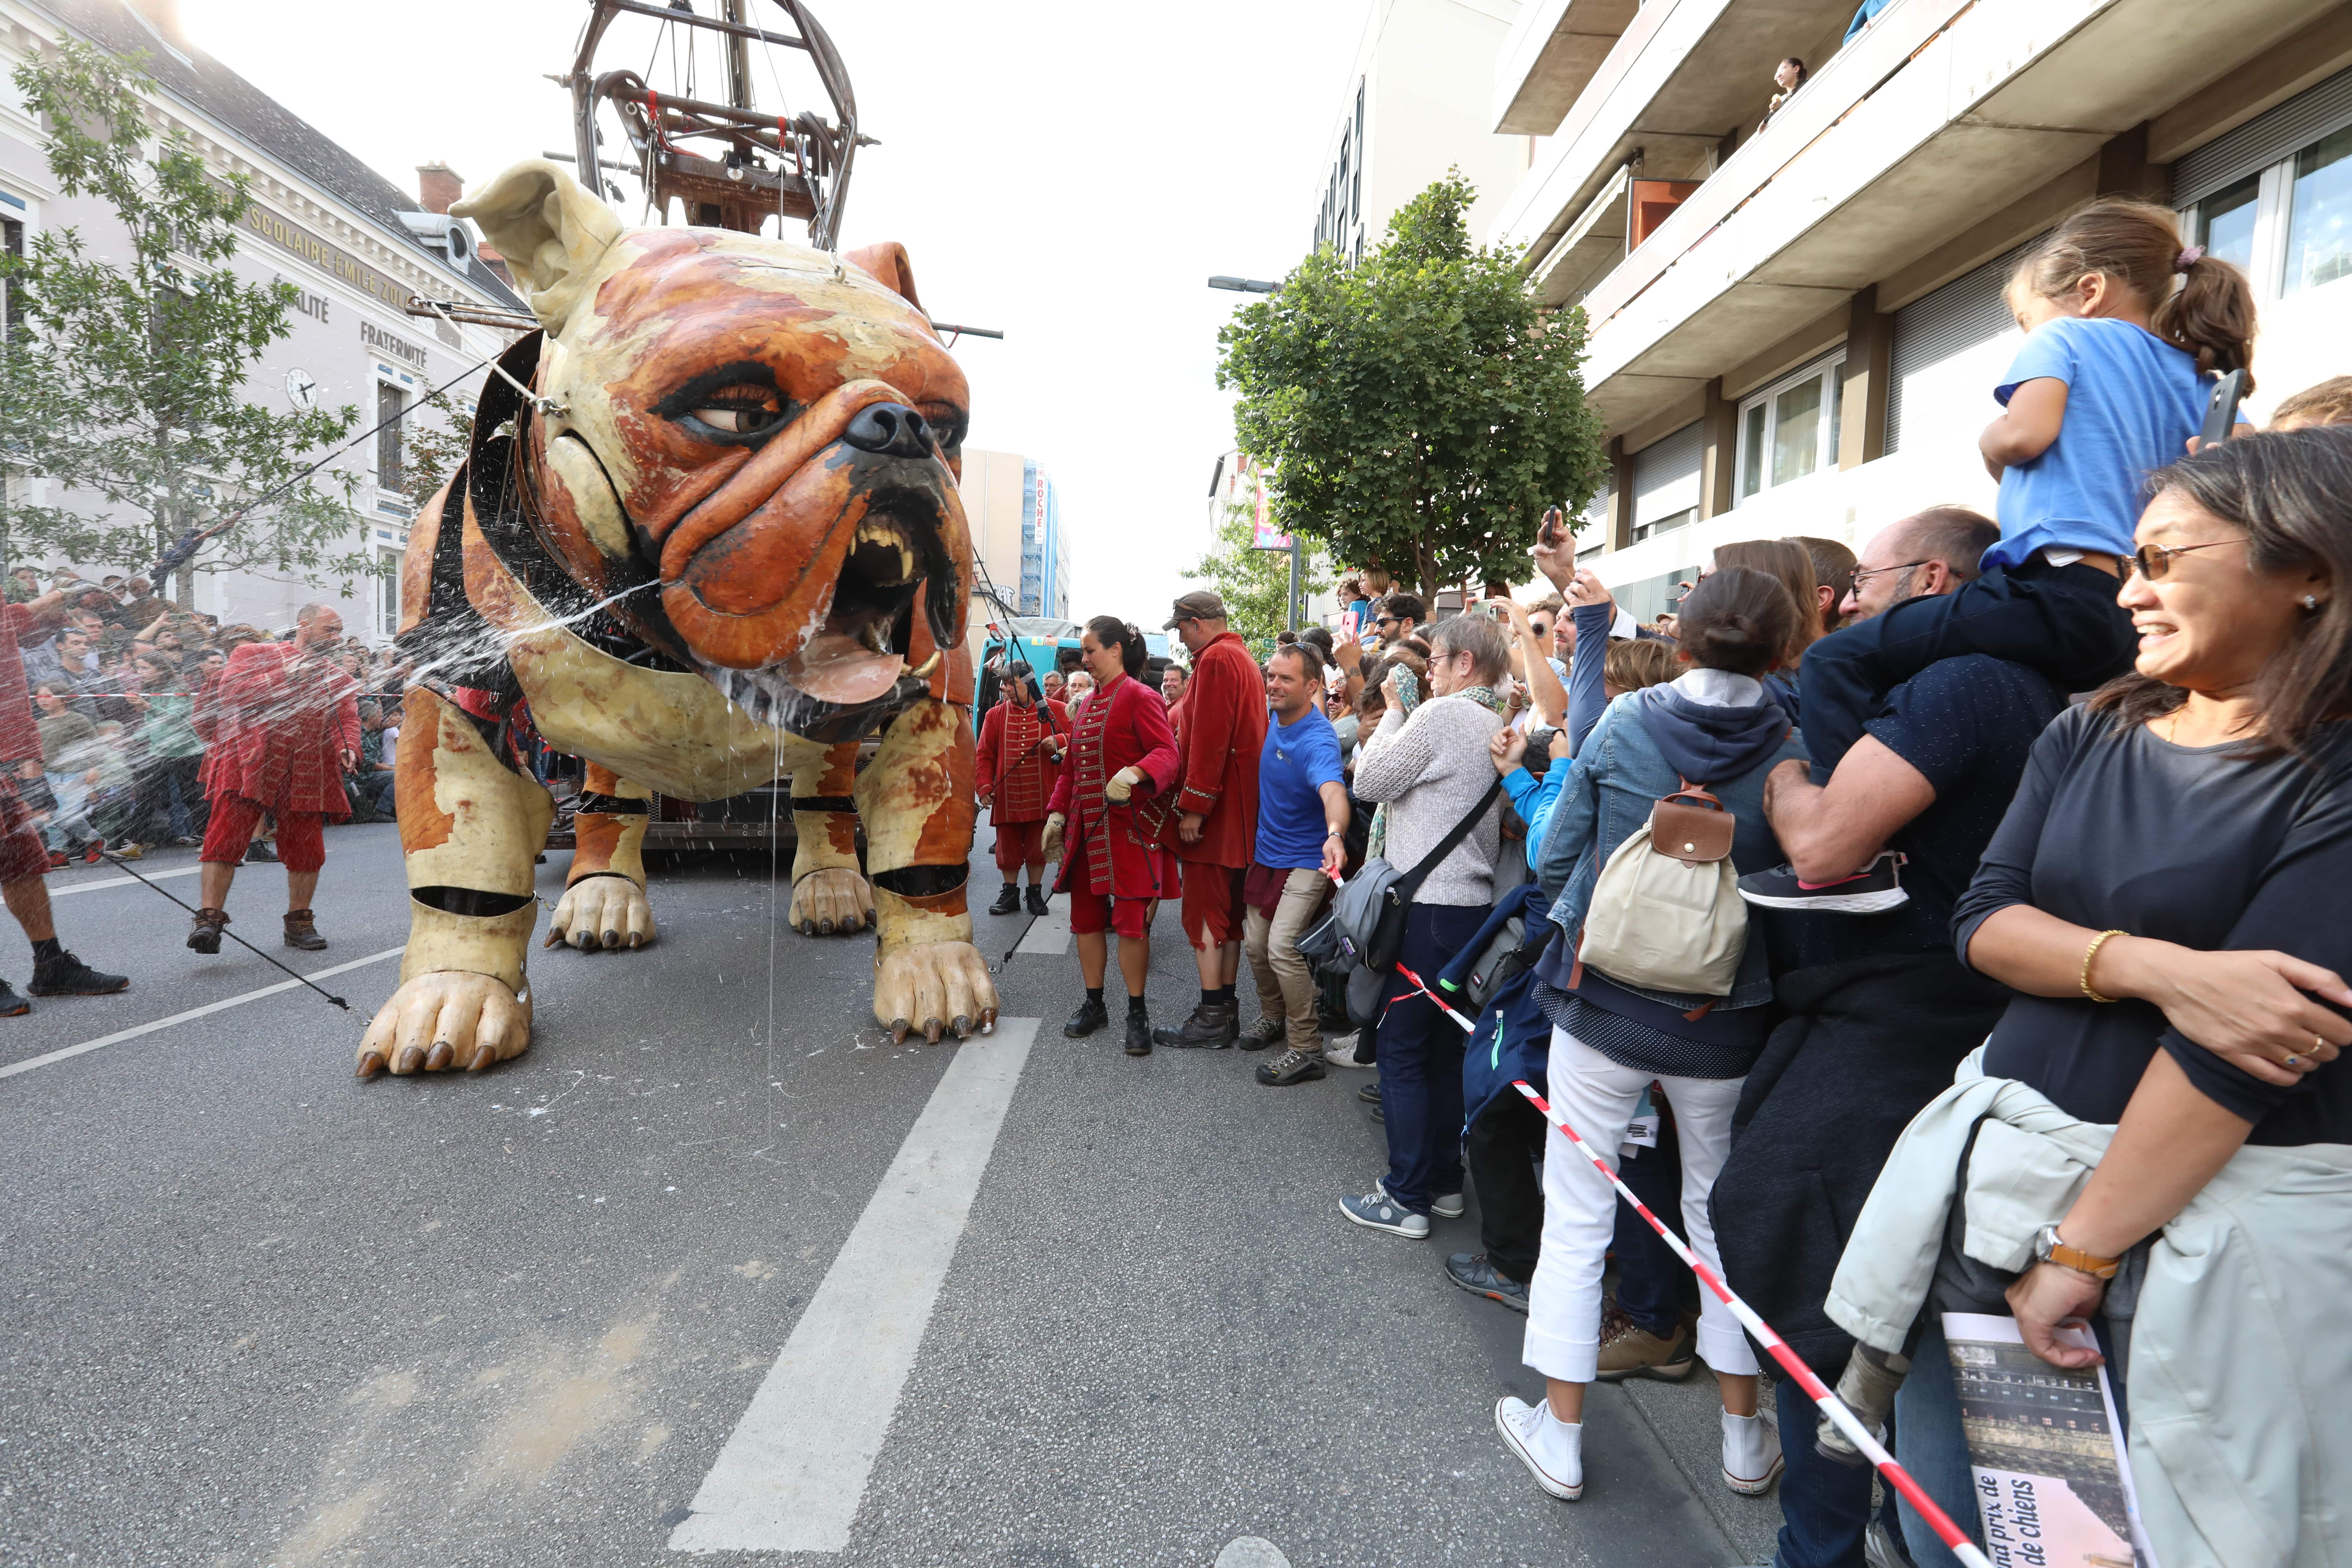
(742, 410)
(736, 404)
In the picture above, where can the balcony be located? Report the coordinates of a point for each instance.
(1677, 79)
(1935, 120)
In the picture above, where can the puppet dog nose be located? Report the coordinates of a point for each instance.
(890, 430)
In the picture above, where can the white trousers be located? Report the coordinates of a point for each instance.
(1597, 1096)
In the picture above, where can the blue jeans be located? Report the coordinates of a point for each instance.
(1824, 1506)
(2061, 620)
(1421, 1062)
(1930, 1444)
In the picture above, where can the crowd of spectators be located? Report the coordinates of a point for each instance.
(2021, 820)
(120, 680)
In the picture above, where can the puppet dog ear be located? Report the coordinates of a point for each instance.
(550, 230)
(887, 265)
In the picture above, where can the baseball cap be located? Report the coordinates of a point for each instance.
(1197, 605)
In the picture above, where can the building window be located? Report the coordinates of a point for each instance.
(1789, 430)
(389, 404)
(2274, 195)
(387, 595)
(12, 311)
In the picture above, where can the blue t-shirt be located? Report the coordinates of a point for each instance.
(1297, 761)
(1969, 725)
(2132, 403)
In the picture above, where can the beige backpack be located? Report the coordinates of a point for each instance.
(1666, 913)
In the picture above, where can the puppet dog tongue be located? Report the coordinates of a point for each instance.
(834, 666)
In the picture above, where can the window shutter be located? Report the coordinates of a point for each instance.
(2264, 140)
(1666, 474)
(1937, 365)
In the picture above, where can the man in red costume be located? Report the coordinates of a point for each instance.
(1111, 800)
(1220, 730)
(285, 725)
(24, 863)
(1021, 746)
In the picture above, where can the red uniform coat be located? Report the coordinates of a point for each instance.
(1221, 732)
(1121, 725)
(1017, 769)
(20, 736)
(277, 727)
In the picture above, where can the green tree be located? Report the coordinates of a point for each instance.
(1421, 411)
(1256, 583)
(124, 384)
(434, 447)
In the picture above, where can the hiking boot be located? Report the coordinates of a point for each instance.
(204, 931)
(1291, 1067)
(1008, 900)
(1474, 1273)
(1035, 899)
(259, 852)
(302, 931)
(1552, 1449)
(1262, 1034)
(1212, 1027)
(66, 976)
(11, 1005)
(1872, 891)
(1751, 1454)
(1629, 1350)
(1378, 1211)
(1139, 1034)
(1091, 1015)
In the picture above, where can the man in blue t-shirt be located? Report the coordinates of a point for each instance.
(1877, 1011)
(1302, 822)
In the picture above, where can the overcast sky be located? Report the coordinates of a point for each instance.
(1071, 173)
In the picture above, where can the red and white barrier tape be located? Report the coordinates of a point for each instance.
(1830, 1404)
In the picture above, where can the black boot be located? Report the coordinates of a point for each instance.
(1037, 897)
(1213, 1026)
(66, 976)
(1091, 1015)
(1008, 900)
(1139, 1034)
(302, 931)
(204, 931)
(11, 1005)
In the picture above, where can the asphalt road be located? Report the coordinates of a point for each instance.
(253, 1310)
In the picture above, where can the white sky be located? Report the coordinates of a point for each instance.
(1069, 172)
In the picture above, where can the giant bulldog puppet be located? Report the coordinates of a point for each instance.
(718, 543)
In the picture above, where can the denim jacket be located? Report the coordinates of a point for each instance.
(1618, 776)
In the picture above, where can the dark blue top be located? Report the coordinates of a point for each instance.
(1297, 759)
(2187, 844)
(1968, 724)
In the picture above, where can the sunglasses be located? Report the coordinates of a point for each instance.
(2153, 561)
(1384, 620)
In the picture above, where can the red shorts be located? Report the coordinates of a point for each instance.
(1019, 844)
(1212, 904)
(301, 843)
(21, 852)
(1091, 912)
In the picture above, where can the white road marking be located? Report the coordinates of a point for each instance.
(1050, 936)
(791, 1476)
(29, 1063)
(123, 882)
(1251, 1551)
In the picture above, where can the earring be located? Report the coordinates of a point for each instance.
(2311, 601)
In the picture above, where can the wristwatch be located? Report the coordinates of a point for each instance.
(2048, 1248)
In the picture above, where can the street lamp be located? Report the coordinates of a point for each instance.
(1245, 285)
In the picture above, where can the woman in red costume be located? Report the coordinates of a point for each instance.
(1111, 804)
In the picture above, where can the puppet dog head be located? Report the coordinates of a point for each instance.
(772, 434)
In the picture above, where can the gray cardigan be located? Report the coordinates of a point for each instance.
(1432, 769)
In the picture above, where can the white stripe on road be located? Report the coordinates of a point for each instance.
(123, 882)
(1049, 937)
(29, 1063)
(793, 1473)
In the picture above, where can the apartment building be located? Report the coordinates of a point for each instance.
(1411, 107)
(354, 244)
(1014, 511)
(1797, 323)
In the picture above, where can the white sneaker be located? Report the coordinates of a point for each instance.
(1751, 1454)
(1552, 1449)
(1340, 1052)
(1446, 1206)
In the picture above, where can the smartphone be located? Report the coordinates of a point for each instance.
(1408, 684)
(1549, 532)
(2222, 413)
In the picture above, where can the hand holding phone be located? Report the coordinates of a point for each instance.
(2221, 409)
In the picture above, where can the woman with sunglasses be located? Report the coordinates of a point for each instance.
(2167, 897)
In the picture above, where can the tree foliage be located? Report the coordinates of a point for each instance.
(1419, 412)
(125, 384)
(1256, 583)
(434, 446)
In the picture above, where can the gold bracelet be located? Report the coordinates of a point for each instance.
(2089, 954)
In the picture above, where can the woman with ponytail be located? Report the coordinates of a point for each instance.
(2127, 330)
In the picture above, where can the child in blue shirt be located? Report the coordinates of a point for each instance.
(2111, 385)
